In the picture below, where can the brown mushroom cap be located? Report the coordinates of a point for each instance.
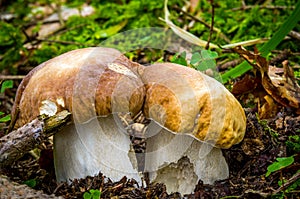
(186, 101)
(76, 71)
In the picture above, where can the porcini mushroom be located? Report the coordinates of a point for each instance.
(193, 118)
(94, 84)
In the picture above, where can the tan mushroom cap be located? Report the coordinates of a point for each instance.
(56, 80)
(186, 101)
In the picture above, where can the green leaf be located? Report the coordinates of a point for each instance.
(92, 194)
(9, 34)
(196, 57)
(31, 183)
(6, 84)
(5, 118)
(209, 54)
(96, 194)
(293, 143)
(281, 182)
(288, 25)
(280, 164)
(180, 59)
(87, 195)
(204, 60)
(111, 30)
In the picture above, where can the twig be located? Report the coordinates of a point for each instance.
(34, 23)
(63, 42)
(230, 64)
(28, 38)
(58, 187)
(191, 16)
(59, 13)
(13, 77)
(287, 183)
(203, 22)
(272, 7)
(282, 55)
(15, 144)
(263, 194)
(294, 34)
(36, 40)
(212, 23)
(63, 29)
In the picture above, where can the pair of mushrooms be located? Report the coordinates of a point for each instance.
(192, 117)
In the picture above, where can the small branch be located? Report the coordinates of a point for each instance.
(230, 64)
(34, 23)
(63, 42)
(294, 34)
(36, 40)
(262, 194)
(28, 38)
(218, 31)
(15, 144)
(271, 7)
(212, 23)
(287, 183)
(191, 16)
(13, 77)
(282, 55)
(59, 13)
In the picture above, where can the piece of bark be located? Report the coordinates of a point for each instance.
(15, 144)
(10, 189)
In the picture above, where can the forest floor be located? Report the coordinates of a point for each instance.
(264, 141)
(273, 126)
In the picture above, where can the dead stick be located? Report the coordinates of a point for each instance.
(218, 31)
(212, 23)
(271, 7)
(16, 77)
(294, 34)
(15, 144)
(287, 183)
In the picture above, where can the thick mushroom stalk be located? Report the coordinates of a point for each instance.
(94, 84)
(193, 117)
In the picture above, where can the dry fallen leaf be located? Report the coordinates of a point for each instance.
(282, 88)
(268, 108)
(252, 146)
(245, 85)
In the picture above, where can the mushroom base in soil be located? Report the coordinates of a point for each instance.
(103, 147)
(178, 162)
(94, 84)
(193, 117)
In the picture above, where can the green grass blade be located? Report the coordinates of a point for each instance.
(288, 25)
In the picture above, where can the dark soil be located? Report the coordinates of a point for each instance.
(264, 141)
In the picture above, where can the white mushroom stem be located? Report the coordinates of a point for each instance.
(102, 147)
(174, 160)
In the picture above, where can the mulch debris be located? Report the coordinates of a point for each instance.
(248, 161)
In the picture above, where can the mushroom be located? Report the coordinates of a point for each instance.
(193, 118)
(95, 85)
